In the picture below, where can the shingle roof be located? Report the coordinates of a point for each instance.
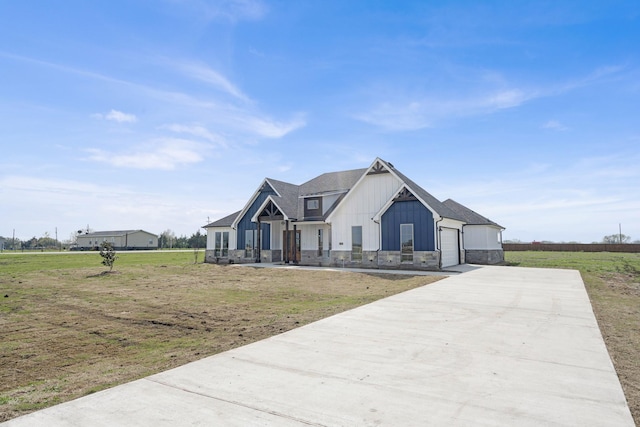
(471, 217)
(290, 198)
(224, 222)
(440, 208)
(331, 182)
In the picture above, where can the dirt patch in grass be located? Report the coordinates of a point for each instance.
(69, 332)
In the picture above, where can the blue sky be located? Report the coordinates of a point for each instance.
(166, 114)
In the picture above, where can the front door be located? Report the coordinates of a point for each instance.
(291, 245)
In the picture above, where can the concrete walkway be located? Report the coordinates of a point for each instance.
(493, 346)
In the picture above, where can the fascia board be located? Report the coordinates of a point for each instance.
(329, 193)
(273, 187)
(244, 210)
(254, 218)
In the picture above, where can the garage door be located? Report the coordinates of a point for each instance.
(449, 247)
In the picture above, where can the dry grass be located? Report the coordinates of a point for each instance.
(68, 331)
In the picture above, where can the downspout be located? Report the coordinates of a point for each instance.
(461, 246)
(379, 243)
(438, 231)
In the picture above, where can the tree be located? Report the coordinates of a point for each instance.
(167, 239)
(198, 240)
(108, 254)
(616, 238)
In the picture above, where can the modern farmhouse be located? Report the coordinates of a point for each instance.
(121, 240)
(371, 218)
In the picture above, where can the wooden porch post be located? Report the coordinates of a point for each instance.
(259, 245)
(295, 243)
(286, 242)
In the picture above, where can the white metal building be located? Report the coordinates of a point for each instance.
(121, 240)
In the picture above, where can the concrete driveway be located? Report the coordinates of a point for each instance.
(493, 346)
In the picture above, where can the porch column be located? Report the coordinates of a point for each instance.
(295, 243)
(259, 245)
(286, 242)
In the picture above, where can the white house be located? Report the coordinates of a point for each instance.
(121, 240)
(374, 217)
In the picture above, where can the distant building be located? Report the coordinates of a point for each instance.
(120, 240)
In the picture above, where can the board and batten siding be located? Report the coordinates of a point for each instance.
(408, 212)
(358, 209)
(481, 237)
(211, 240)
(245, 222)
(309, 236)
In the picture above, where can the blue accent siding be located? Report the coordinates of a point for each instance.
(409, 212)
(246, 224)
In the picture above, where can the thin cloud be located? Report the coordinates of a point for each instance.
(117, 116)
(231, 10)
(554, 125)
(198, 131)
(418, 111)
(161, 154)
(211, 77)
(423, 113)
(268, 128)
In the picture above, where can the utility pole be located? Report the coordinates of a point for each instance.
(620, 232)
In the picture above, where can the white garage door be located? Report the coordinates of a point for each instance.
(449, 247)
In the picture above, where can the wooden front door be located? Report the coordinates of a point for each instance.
(291, 245)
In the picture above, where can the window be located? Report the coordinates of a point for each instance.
(217, 248)
(406, 242)
(225, 243)
(250, 241)
(221, 248)
(356, 243)
(320, 242)
(312, 204)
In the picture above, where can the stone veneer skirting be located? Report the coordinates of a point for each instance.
(484, 256)
(427, 260)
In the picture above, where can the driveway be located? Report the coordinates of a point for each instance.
(492, 346)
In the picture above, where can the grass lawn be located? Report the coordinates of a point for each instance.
(613, 284)
(70, 329)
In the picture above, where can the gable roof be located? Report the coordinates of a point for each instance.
(289, 198)
(331, 182)
(471, 217)
(440, 208)
(224, 222)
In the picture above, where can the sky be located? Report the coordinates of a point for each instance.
(168, 114)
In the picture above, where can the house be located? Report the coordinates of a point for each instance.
(374, 217)
(120, 240)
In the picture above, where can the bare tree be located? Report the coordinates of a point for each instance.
(616, 238)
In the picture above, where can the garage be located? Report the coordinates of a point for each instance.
(449, 247)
